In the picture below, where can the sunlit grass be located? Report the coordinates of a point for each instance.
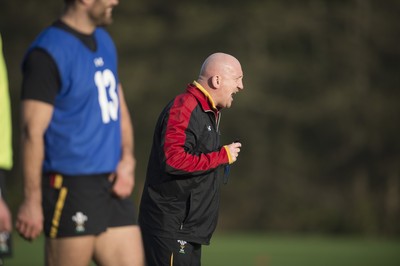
(242, 249)
(275, 250)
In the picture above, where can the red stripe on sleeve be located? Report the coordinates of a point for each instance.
(179, 156)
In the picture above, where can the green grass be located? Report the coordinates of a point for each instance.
(263, 250)
(272, 250)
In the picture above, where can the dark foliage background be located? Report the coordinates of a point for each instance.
(319, 116)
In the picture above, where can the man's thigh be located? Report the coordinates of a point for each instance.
(68, 251)
(175, 252)
(120, 246)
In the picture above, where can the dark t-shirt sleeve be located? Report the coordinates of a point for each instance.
(41, 79)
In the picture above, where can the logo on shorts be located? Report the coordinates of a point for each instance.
(182, 243)
(4, 236)
(79, 219)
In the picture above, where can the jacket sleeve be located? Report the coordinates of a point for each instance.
(179, 143)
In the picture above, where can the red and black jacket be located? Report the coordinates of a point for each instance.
(181, 194)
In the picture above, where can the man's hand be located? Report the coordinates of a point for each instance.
(30, 220)
(234, 149)
(124, 178)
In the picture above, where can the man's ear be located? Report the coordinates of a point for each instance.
(216, 81)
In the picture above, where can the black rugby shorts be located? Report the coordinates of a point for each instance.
(82, 205)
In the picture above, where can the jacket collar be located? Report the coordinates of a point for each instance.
(202, 96)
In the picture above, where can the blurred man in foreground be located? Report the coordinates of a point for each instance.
(6, 161)
(78, 161)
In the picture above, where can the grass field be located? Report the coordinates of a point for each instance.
(264, 250)
(272, 250)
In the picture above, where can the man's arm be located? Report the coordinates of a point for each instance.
(179, 143)
(125, 173)
(36, 117)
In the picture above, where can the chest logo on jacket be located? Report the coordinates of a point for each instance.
(209, 128)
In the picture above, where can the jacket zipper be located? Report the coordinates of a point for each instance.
(218, 118)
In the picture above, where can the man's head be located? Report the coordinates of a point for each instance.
(222, 76)
(98, 12)
(101, 11)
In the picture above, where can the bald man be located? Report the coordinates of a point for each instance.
(179, 207)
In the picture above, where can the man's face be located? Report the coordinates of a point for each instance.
(101, 11)
(231, 83)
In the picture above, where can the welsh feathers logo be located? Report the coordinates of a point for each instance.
(79, 218)
(182, 244)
